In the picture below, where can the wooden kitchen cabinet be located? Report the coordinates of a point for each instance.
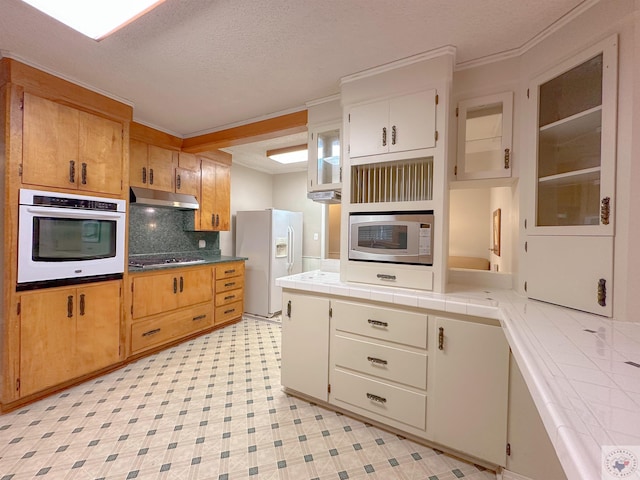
(151, 166)
(229, 288)
(215, 197)
(397, 124)
(66, 333)
(164, 291)
(468, 410)
(305, 344)
(187, 175)
(68, 148)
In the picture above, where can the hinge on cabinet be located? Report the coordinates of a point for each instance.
(340, 174)
(508, 449)
(132, 310)
(349, 119)
(329, 388)
(330, 312)
(17, 384)
(525, 223)
(22, 104)
(436, 135)
(526, 246)
(457, 111)
(20, 170)
(437, 98)
(312, 136)
(455, 170)
(525, 286)
(527, 93)
(18, 309)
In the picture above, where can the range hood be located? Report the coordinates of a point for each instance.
(156, 198)
(328, 196)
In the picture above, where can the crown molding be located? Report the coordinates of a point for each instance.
(320, 101)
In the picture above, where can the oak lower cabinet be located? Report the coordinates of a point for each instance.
(468, 411)
(305, 344)
(169, 304)
(229, 300)
(379, 362)
(68, 148)
(66, 333)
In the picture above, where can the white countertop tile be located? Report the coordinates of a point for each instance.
(586, 395)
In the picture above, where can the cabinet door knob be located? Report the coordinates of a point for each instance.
(70, 306)
(181, 284)
(377, 323)
(384, 136)
(175, 285)
(376, 361)
(376, 398)
(84, 173)
(605, 210)
(178, 182)
(393, 135)
(82, 304)
(441, 338)
(289, 309)
(507, 158)
(72, 171)
(151, 176)
(602, 292)
(144, 174)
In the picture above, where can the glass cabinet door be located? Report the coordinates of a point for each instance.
(325, 170)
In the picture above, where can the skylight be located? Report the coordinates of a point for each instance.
(95, 18)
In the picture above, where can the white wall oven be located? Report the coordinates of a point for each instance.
(66, 238)
(392, 237)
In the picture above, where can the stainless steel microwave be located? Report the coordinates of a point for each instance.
(392, 237)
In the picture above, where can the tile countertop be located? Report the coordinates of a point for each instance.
(583, 370)
(208, 260)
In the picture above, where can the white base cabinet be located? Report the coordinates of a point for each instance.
(468, 411)
(305, 344)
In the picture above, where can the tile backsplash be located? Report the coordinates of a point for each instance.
(161, 230)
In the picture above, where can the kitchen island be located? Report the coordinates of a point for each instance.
(582, 370)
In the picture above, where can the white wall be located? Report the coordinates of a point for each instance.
(469, 222)
(250, 190)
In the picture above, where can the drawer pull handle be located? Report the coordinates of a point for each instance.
(376, 398)
(377, 323)
(228, 272)
(441, 338)
(229, 297)
(376, 361)
(230, 284)
(384, 276)
(70, 306)
(199, 317)
(229, 311)
(151, 332)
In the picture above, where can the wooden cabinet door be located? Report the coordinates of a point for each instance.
(98, 327)
(223, 197)
(47, 339)
(195, 286)
(368, 129)
(188, 161)
(161, 166)
(50, 143)
(412, 121)
(188, 182)
(155, 294)
(100, 154)
(207, 198)
(138, 163)
(470, 388)
(305, 344)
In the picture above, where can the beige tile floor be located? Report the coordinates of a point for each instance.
(210, 408)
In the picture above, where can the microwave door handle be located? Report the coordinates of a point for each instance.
(71, 213)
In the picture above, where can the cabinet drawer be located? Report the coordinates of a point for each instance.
(228, 312)
(155, 331)
(225, 298)
(231, 283)
(397, 365)
(227, 270)
(379, 398)
(384, 323)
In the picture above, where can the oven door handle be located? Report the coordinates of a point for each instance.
(73, 213)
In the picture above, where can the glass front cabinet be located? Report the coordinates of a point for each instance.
(325, 167)
(570, 224)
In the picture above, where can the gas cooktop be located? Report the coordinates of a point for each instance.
(163, 260)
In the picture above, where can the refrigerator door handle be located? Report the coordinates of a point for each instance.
(290, 248)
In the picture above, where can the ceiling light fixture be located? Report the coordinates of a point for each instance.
(95, 19)
(295, 154)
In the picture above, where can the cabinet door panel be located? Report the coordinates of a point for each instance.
(414, 119)
(470, 415)
(100, 148)
(207, 195)
(223, 197)
(50, 142)
(155, 294)
(47, 339)
(366, 129)
(138, 159)
(98, 333)
(188, 161)
(187, 182)
(161, 166)
(195, 286)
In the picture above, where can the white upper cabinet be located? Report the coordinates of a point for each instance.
(484, 137)
(325, 166)
(397, 124)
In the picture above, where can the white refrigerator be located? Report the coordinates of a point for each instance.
(271, 240)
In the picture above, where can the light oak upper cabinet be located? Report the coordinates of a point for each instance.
(66, 333)
(67, 148)
(215, 196)
(151, 166)
(398, 124)
(187, 174)
(484, 137)
(570, 224)
(470, 415)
